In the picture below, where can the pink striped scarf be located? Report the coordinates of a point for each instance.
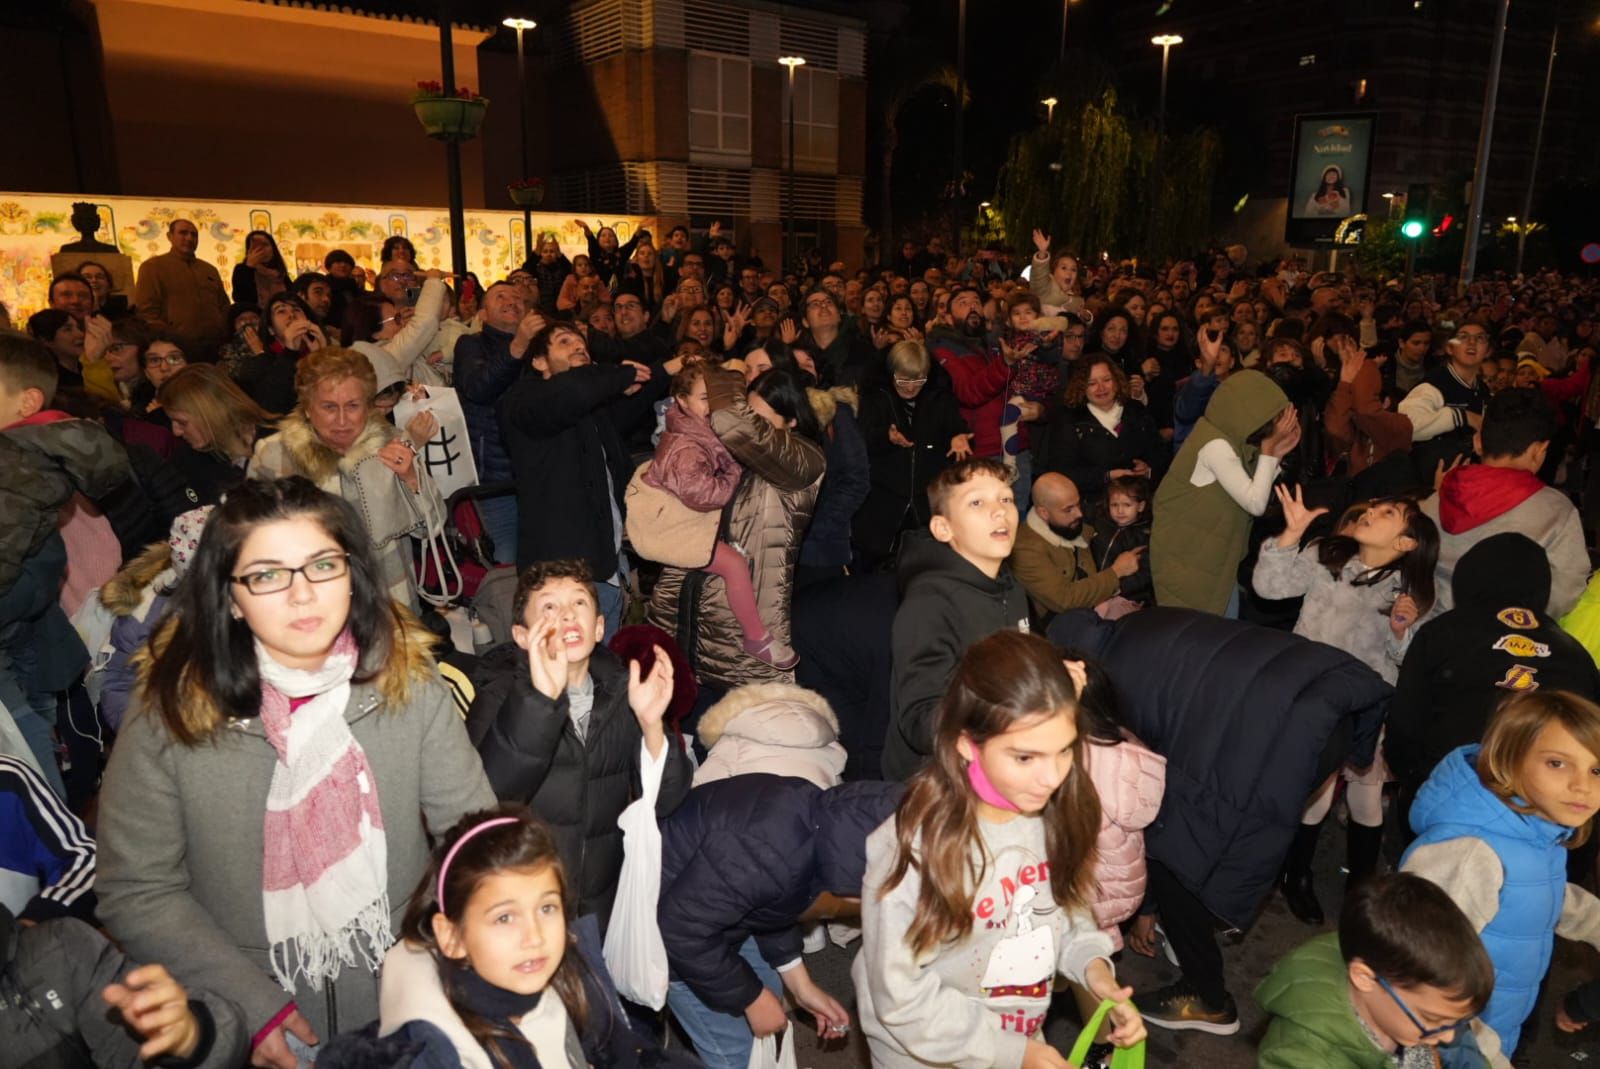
(324, 870)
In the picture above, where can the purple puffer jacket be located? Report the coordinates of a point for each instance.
(1130, 780)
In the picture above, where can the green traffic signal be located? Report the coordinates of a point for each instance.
(1412, 228)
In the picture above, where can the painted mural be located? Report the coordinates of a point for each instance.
(34, 225)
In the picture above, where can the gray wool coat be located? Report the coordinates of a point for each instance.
(181, 844)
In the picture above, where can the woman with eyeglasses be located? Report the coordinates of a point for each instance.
(339, 439)
(287, 746)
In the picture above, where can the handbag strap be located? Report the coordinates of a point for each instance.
(1122, 1058)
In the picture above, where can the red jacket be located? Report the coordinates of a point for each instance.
(978, 378)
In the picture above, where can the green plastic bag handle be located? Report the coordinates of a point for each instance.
(1123, 1058)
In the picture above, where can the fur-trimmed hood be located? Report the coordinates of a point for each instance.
(825, 403)
(772, 727)
(124, 592)
(410, 661)
(306, 452)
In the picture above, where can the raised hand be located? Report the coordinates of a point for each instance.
(1296, 517)
(1285, 433)
(1041, 240)
(788, 331)
(649, 696)
(422, 427)
(960, 447)
(547, 659)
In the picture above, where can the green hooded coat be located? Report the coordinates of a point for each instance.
(1199, 534)
(1313, 1022)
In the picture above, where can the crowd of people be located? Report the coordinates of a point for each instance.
(1004, 613)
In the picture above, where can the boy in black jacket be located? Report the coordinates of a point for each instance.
(955, 589)
(565, 728)
(1496, 641)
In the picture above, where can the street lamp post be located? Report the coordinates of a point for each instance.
(1480, 169)
(1166, 41)
(793, 63)
(452, 150)
(1064, 5)
(521, 25)
(961, 111)
(1049, 109)
(1538, 145)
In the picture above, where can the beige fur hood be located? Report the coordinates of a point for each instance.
(306, 454)
(123, 592)
(777, 728)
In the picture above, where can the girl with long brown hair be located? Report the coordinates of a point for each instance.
(977, 892)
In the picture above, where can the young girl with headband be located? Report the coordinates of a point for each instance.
(486, 967)
(977, 890)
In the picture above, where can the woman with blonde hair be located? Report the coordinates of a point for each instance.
(337, 438)
(217, 426)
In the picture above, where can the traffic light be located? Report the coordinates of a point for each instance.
(1418, 218)
(1412, 228)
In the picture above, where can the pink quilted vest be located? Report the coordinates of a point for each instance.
(1130, 780)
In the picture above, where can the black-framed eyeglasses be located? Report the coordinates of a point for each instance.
(276, 580)
(171, 360)
(1426, 1033)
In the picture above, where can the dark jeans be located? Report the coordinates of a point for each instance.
(1191, 931)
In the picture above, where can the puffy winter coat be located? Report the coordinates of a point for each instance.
(1250, 721)
(1454, 804)
(1130, 780)
(484, 371)
(979, 377)
(844, 488)
(746, 857)
(767, 517)
(533, 755)
(136, 597)
(673, 504)
(842, 632)
(771, 727)
(53, 1017)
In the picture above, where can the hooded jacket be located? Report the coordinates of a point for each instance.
(746, 857)
(844, 487)
(1313, 1024)
(391, 512)
(946, 604)
(1480, 501)
(135, 597)
(1130, 779)
(775, 728)
(1250, 720)
(1455, 805)
(52, 1015)
(767, 518)
(1496, 641)
(180, 834)
(532, 755)
(1199, 534)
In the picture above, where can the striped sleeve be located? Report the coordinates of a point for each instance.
(47, 841)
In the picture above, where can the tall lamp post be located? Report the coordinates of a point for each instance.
(1065, 4)
(521, 25)
(1049, 109)
(961, 111)
(1480, 169)
(794, 63)
(452, 150)
(1165, 41)
(1538, 145)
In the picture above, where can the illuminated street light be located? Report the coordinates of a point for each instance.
(793, 63)
(1164, 41)
(1050, 109)
(522, 25)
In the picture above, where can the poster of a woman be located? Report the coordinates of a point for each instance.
(1331, 197)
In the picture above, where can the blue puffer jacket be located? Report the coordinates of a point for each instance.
(1249, 719)
(484, 370)
(747, 856)
(1454, 804)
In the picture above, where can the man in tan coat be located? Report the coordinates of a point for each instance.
(181, 296)
(1052, 558)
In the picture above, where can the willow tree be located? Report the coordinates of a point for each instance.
(1095, 180)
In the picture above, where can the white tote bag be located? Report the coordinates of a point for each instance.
(635, 955)
(448, 454)
(774, 1052)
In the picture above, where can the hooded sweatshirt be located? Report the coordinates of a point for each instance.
(1477, 502)
(1199, 532)
(1496, 640)
(946, 604)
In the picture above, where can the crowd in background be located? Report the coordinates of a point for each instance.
(1129, 573)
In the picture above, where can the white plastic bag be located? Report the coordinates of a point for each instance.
(448, 454)
(635, 955)
(773, 1052)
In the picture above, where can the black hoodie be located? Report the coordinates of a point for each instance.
(946, 604)
(1496, 641)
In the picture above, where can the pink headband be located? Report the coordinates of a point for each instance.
(451, 856)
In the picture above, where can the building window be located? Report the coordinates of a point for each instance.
(719, 106)
(816, 120)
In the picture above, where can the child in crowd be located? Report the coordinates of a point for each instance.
(1494, 823)
(1218, 483)
(565, 728)
(486, 972)
(977, 893)
(68, 997)
(1396, 984)
(674, 510)
(1128, 509)
(957, 588)
(1364, 588)
(1035, 383)
(744, 862)
(46, 854)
